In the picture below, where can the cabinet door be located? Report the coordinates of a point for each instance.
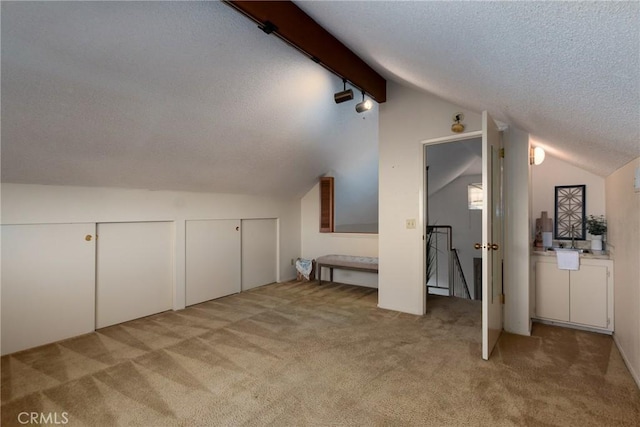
(589, 296)
(48, 283)
(259, 254)
(552, 292)
(135, 271)
(212, 259)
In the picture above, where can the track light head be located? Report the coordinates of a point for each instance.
(365, 105)
(345, 95)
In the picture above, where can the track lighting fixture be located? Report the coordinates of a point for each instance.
(345, 95)
(365, 105)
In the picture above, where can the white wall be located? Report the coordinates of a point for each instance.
(33, 204)
(406, 119)
(623, 207)
(449, 206)
(356, 179)
(517, 240)
(553, 172)
(315, 244)
(356, 172)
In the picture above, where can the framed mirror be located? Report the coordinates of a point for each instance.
(570, 211)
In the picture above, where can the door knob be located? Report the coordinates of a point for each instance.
(494, 246)
(88, 237)
(237, 228)
(477, 246)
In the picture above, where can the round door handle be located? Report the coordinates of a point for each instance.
(237, 228)
(494, 246)
(88, 237)
(477, 246)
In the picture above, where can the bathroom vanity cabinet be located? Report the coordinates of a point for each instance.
(580, 298)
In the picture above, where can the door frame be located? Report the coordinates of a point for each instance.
(423, 212)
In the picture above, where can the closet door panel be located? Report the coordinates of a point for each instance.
(48, 283)
(212, 259)
(259, 252)
(134, 271)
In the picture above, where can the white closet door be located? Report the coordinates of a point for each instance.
(259, 252)
(134, 271)
(48, 283)
(212, 259)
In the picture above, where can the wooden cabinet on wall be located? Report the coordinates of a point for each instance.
(581, 298)
(326, 204)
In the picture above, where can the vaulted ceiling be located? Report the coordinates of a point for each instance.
(192, 96)
(566, 72)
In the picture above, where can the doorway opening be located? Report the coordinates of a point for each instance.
(453, 215)
(490, 246)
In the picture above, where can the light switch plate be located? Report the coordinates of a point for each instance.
(636, 181)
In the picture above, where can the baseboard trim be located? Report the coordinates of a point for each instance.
(627, 362)
(400, 310)
(573, 326)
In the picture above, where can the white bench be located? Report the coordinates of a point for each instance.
(346, 262)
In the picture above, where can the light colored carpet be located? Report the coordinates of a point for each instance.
(296, 354)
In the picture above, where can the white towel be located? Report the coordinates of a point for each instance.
(568, 260)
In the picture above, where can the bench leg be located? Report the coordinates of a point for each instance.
(331, 274)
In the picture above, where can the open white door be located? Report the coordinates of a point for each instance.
(491, 236)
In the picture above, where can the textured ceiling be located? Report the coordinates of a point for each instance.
(566, 72)
(166, 95)
(447, 162)
(192, 96)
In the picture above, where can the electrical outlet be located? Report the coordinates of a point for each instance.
(411, 223)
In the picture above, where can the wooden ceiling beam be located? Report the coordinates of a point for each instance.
(294, 26)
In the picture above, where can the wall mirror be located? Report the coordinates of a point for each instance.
(348, 207)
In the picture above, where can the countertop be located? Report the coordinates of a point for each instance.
(588, 255)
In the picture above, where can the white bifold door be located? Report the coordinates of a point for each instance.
(135, 273)
(48, 283)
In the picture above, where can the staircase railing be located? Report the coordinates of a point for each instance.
(460, 287)
(456, 283)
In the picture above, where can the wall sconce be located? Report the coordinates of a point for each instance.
(365, 105)
(536, 156)
(457, 127)
(345, 95)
